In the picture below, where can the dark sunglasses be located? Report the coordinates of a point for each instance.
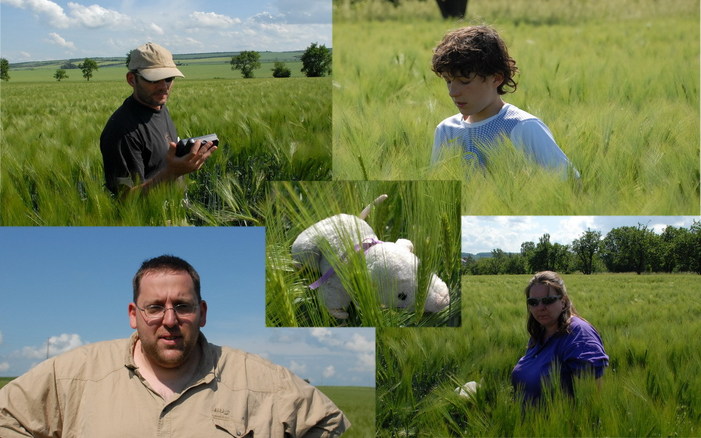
(168, 80)
(533, 302)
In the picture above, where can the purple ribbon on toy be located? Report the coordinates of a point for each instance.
(364, 245)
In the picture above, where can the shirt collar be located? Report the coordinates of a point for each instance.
(205, 369)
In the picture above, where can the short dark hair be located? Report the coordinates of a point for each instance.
(475, 49)
(167, 263)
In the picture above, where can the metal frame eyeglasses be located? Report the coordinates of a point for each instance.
(154, 312)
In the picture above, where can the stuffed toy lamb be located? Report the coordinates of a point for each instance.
(392, 266)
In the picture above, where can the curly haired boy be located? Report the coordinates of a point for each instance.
(477, 68)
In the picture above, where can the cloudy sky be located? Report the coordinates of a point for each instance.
(485, 233)
(71, 286)
(36, 30)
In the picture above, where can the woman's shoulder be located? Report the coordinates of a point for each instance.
(581, 328)
(583, 343)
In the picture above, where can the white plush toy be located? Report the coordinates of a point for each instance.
(468, 390)
(393, 267)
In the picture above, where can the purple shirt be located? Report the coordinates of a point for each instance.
(579, 350)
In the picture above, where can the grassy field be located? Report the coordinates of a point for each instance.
(425, 212)
(652, 386)
(616, 82)
(358, 404)
(52, 172)
(5, 380)
(192, 66)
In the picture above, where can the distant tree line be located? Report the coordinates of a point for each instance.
(625, 249)
(316, 62)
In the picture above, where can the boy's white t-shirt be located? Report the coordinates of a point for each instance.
(525, 131)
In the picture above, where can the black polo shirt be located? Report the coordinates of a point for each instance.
(134, 144)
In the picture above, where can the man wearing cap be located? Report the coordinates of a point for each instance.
(166, 380)
(138, 142)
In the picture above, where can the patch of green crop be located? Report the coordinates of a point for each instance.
(616, 83)
(651, 386)
(52, 172)
(358, 405)
(425, 212)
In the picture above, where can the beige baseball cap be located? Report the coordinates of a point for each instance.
(153, 62)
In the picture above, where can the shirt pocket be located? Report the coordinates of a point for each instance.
(232, 428)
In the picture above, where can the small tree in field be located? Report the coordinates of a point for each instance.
(280, 71)
(246, 61)
(316, 61)
(87, 67)
(60, 74)
(4, 69)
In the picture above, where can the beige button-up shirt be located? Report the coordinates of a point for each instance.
(96, 391)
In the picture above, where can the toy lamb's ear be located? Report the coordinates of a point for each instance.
(366, 211)
(305, 251)
(406, 244)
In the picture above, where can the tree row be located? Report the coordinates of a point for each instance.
(624, 249)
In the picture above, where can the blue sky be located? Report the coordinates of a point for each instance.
(485, 233)
(72, 285)
(37, 30)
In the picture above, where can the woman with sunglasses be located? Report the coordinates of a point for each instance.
(560, 340)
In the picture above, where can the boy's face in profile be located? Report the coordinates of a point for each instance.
(475, 96)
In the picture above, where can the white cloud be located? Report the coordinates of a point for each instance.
(156, 28)
(92, 16)
(362, 347)
(1, 338)
(4, 366)
(298, 368)
(361, 344)
(320, 332)
(57, 345)
(329, 371)
(211, 19)
(96, 16)
(324, 335)
(266, 17)
(53, 13)
(60, 41)
(365, 362)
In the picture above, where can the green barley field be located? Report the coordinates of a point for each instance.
(649, 325)
(358, 404)
(5, 380)
(51, 167)
(616, 82)
(425, 212)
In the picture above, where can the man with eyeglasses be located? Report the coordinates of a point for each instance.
(165, 380)
(138, 141)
